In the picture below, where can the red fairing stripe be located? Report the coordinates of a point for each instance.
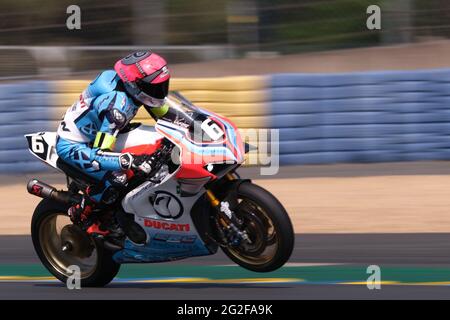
(192, 171)
(143, 148)
(233, 148)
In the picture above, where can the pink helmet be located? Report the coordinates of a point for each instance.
(145, 76)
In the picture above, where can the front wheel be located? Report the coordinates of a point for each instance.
(60, 245)
(268, 227)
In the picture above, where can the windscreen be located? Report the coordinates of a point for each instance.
(184, 113)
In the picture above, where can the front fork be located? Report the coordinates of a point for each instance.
(227, 219)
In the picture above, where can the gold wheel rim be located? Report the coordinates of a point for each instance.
(51, 244)
(270, 251)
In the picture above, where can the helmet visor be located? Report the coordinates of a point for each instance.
(149, 101)
(154, 90)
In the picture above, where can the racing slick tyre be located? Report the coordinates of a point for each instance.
(61, 245)
(268, 226)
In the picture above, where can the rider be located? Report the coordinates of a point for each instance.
(88, 131)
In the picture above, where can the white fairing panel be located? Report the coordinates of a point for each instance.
(160, 208)
(43, 146)
(139, 136)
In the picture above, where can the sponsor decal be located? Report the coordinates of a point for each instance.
(174, 238)
(147, 187)
(169, 226)
(118, 116)
(119, 178)
(89, 129)
(181, 122)
(36, 190)
(164, 72)
(166, 204)
(82, 102)
(135, 57)
(140, 54)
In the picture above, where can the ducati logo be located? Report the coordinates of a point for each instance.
(166, 225)
(166, 204)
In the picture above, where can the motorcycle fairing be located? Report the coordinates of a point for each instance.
(230, 149)
(165, 204)
(165, 215)
(162, 209)
(162, 247)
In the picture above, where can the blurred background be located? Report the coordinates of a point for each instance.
(34, 39)
(361, 116)
(335, 91)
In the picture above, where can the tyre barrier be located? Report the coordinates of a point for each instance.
(320, 118)
(36, 106)
(24, 108)
(362, 117)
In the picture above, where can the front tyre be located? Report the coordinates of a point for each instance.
(59, 244)
(268, 226)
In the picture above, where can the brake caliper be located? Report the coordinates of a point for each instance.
(235, 236)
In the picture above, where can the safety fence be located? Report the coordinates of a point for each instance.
(321, 118)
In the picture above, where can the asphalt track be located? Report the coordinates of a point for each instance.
(323, 266)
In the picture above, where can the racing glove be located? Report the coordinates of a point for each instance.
(143, 163)
(80, 211)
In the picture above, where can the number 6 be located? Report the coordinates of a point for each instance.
(212, 129)
(37, 145)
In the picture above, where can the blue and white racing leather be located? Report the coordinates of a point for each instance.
(88, 130)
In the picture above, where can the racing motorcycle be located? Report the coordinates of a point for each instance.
(191, 203)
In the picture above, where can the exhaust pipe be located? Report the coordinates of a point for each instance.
(43, 190)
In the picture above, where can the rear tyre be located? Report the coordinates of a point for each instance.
(51, 230)
(268, 226)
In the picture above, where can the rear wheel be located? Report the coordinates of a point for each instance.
(60, 244)
(268, 227)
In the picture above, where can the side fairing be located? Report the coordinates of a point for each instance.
(165, 216)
